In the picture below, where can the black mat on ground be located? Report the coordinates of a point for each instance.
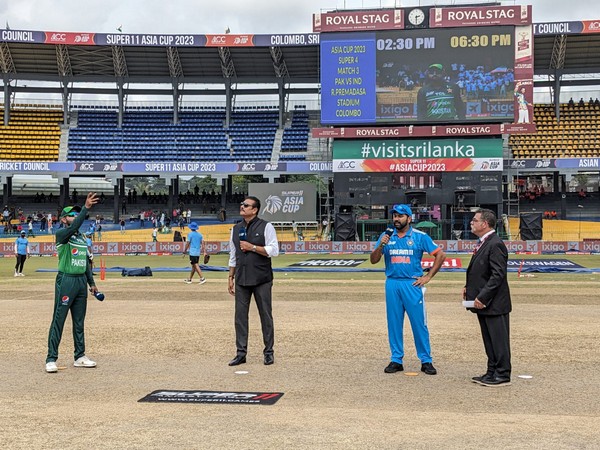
(245, 398)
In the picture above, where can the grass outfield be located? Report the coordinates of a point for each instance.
(331, 347)
(182, 262)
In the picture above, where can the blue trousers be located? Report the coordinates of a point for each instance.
(400, 297)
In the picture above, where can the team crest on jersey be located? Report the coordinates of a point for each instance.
(410, 242)
(65, 300)
(74, 251)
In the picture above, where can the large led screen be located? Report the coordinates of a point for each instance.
(428, 76)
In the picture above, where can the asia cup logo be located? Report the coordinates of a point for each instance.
(65, 300)
(273, 204)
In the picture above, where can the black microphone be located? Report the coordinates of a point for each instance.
(389, 231)
(242, 234)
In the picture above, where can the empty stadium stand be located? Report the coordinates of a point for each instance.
(31, 134)
(575, 134)
(295, 138)
(150, 135)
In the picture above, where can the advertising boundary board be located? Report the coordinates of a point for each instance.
(308, 247)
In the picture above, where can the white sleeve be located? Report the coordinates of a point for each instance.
(232, 249)
(271, 243)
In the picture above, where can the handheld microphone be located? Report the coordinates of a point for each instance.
(242, 234)
(389, 231)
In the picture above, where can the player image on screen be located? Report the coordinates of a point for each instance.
(445, 75)
(438, 99)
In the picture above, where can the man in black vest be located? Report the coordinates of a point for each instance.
(253, 243)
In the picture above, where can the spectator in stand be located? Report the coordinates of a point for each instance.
(547, 215)
(582, 194)
(30, 228)
(553, 214)
(42, 219)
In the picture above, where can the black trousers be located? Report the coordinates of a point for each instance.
(496, 340)
(20, 262)
(262, 296)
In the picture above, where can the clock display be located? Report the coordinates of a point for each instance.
(416, 17)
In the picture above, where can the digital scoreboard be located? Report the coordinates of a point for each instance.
(438, 75)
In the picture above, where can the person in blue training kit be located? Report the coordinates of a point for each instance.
(405, 283)
(22, 252)
(194, 246)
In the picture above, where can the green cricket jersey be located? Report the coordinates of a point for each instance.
(71, 247)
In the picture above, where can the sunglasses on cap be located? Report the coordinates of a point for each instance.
(247, 205)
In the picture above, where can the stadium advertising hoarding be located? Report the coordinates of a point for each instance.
(423, 131)
(424, 76)
(8, 168)
(286, 202)
(159, 40)
(417, 155)
(7, 249)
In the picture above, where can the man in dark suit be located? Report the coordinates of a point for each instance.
(487, 286)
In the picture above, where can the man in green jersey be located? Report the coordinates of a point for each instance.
(439, 100)
(70, 289)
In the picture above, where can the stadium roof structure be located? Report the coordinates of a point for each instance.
(561, 48)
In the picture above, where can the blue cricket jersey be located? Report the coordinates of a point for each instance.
(402, 255)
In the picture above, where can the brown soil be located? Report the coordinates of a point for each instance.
(331, 348)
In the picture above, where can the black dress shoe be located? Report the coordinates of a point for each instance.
(481, 377)
(269, 359)
(494, 381)
(428, 369)
(394, 367)
(237, 361)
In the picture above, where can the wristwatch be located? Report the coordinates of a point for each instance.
(254, 248)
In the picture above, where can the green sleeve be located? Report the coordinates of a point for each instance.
(63, 234)
(89, 275)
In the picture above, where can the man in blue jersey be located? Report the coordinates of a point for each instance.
(21, 252)
(194, 246)
(402, 249)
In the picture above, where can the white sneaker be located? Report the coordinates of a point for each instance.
(187, 281)
(21, 274)
(16, 274)
(202, 280)
(51, 367)
(84, 361)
